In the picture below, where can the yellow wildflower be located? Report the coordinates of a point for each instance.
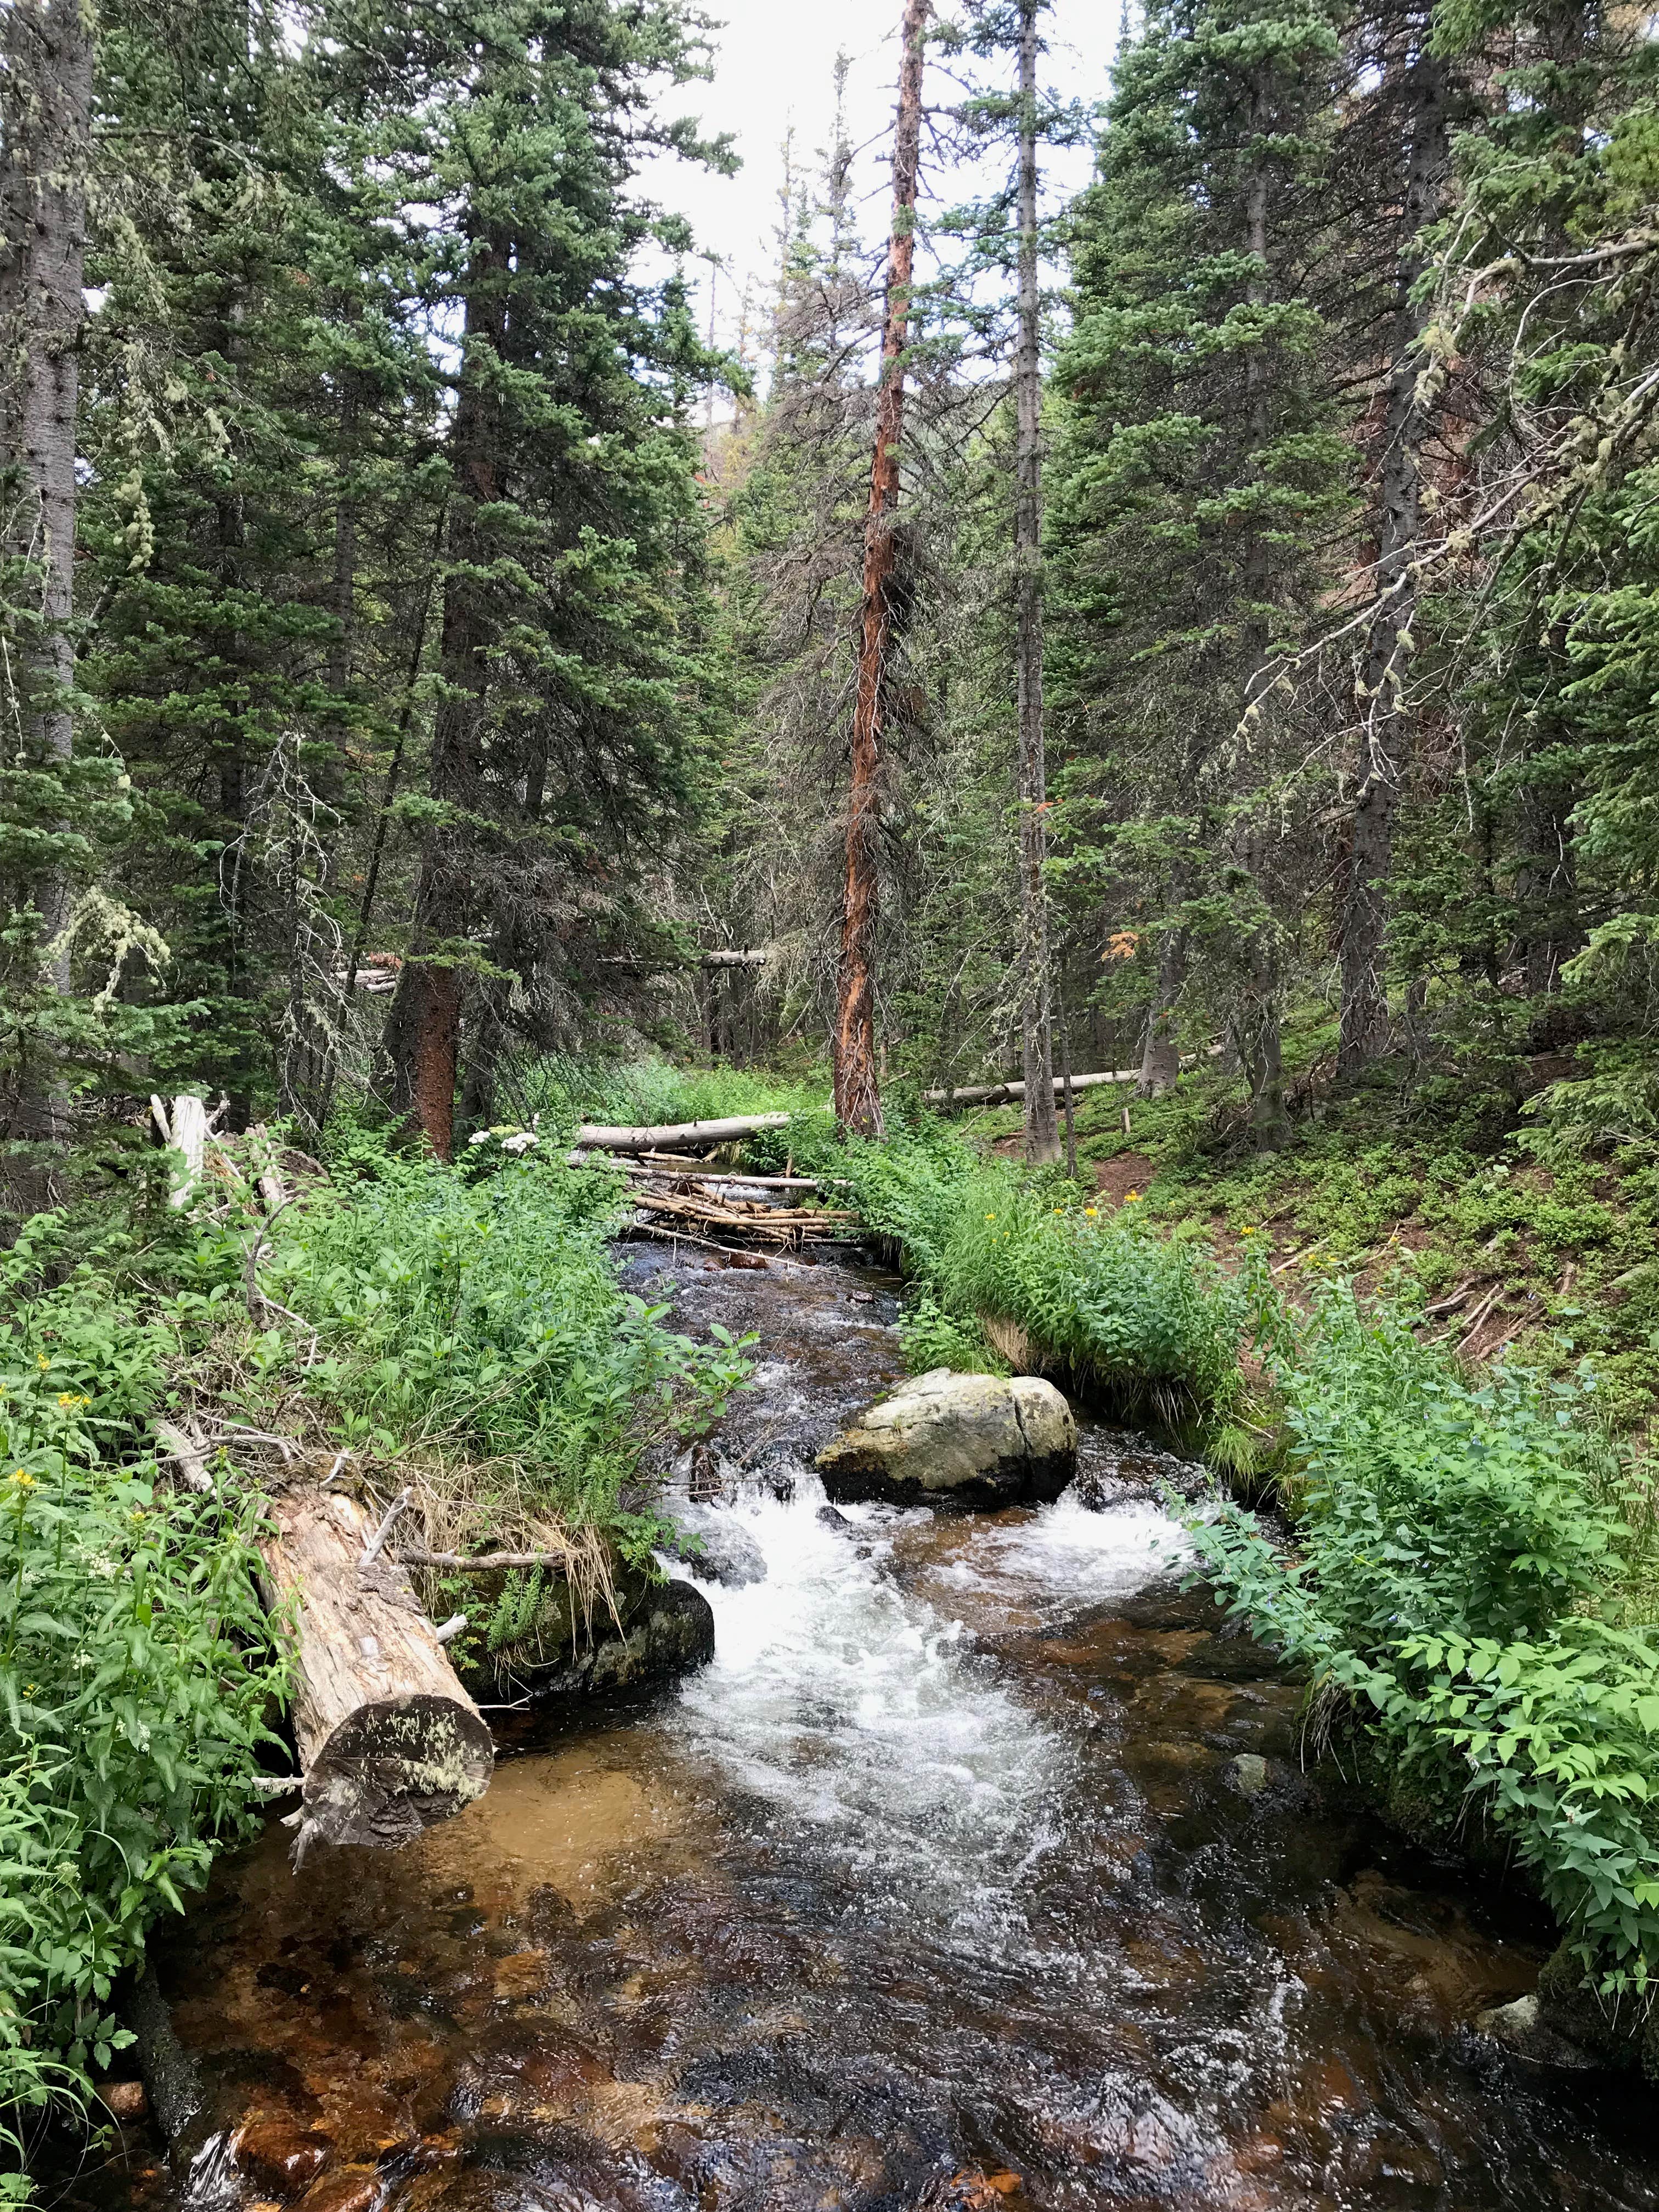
(69, 1401)
(21, 1477)
(41, 1361)
(1131, 1198)
(1091, 1211)
(990, 1217)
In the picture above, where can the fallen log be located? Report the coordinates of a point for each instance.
(607, 1139)
(1003, 1094)
(735, 959)
(189, 1453)
(388, 1739)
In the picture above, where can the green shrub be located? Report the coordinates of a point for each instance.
(1461, 1582)
(482, 1320)
(136, 1670)
(1147, 1323)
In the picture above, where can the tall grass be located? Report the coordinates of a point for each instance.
(1003, 1261)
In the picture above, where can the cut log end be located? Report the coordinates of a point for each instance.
(393, 1768)
(389, 1742)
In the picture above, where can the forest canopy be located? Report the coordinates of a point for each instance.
(411, 672)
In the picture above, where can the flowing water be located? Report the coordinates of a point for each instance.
(979, 1869)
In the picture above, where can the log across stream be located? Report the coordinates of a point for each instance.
(979, 1870)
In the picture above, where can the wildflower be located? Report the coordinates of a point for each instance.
(1131, 1198)
(41, 1361)
(1091, 1213)
(990, 1217)
(1249, 1230)
(69, 1401)
(22, 1479)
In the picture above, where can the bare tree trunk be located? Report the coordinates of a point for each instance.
(46, 125)
(1036, 1026)
(1365, 1011)
(1160, 1056)
(858, 1090)
(423, 1033)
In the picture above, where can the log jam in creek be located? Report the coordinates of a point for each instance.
(979, 1868)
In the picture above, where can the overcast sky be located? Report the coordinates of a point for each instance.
(775, 72)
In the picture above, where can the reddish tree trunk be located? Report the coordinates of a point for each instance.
(1036, 1020)
(424, 1034)
(858, 1092)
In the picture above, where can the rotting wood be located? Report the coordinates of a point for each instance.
(388, 1739)
(188, 1121)
(734, 1181)
(1000, 1094)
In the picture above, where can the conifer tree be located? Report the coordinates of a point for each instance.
(1201, 466)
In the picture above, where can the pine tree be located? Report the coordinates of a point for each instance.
(1199, 469)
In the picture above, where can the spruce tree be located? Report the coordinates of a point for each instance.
(1200, 467)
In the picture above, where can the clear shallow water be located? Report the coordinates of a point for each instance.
(936, 1888)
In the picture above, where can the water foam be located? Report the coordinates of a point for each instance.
(862, 1712)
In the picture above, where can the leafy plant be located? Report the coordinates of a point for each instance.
(1462, 1585)
(136, 1669)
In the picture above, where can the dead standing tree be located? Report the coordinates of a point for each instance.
(858, 1096)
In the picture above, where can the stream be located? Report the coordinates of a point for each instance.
(979, 1869)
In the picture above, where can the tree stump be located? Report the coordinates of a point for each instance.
(389, 1742)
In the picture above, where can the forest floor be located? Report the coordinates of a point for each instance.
(1434, 1201)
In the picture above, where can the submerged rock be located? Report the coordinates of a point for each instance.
(715, 1546)
(1248, 1774)
(1521, 2027)
(960, 1440)
(668, 1633)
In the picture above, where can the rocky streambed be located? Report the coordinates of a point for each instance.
(979, 1867)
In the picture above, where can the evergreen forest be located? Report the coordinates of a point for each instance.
(1112, 734)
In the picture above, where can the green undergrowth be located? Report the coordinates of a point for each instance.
(136, 1667)
(1008, 1264)
(647, 1093)
(460, 1330)
(473, 1339)
(1425, 1191)
(1472, 1584)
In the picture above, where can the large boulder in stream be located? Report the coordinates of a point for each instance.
(957, 1440)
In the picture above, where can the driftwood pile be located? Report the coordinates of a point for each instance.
(677, 1193)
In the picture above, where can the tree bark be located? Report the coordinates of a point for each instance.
(857, 1084)
(1160, 1057)
(423, 1032)
(1363, 1032)
(1037, 1025)
(45, 128)
(388, 1740)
